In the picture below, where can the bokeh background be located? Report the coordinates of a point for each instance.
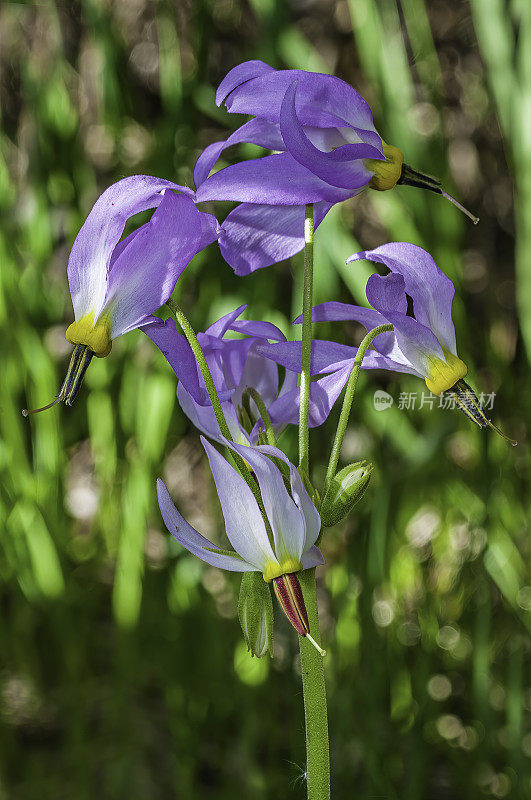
(123, 672)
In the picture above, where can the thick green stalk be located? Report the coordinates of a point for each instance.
(347, 401)
(307, 300)
(314, 691)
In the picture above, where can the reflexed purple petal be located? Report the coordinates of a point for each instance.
(179, 355)
(285, 517)
(341, 167)
(255, 236)
(323, 395)
(329, 357)
(145, 273)
(240, 74)
(326, 356)
(221, 326)
(416, 341)
(387, 293)
(209, 230)
(273, 180)
(262, 330)
(312, 558)
(204, 418)
(385, 343)
(333, 311)
(192, 539)
(244, 525)
(256, 131)
(322, 100)
(431, 290)
(91, 253)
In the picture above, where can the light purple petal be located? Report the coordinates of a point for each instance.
(273, 180)
(255, 236)
(240, 74)
(192, 539)
(284, 515)
(204, 419)
(341, 167)
(256, 131)
(431, 290)
(145, 273)
(323, 395)
(312, 558)
(385, 343)
(329, 357)
(417, 342)
(312, 520)
(244, 525)
(91, 253)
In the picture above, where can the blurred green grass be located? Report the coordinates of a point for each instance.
(122, 667)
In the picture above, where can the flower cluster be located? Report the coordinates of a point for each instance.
(322, 148)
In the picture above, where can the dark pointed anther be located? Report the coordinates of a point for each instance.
(79, 362)
(413, 177)
(466, 399)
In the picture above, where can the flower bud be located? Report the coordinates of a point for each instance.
(345, 490)
(255, 611)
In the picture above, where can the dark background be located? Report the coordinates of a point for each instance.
(123, 672)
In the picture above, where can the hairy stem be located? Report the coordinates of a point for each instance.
(347, 401)
(307, 299)
(314, 691)
(190, 334)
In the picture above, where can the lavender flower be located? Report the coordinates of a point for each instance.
(278, 543)
(327, 150)
(236, 365)
(116, 285)
(423, 344)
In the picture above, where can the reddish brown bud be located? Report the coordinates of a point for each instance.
(289, 594)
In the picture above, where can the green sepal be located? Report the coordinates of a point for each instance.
(255, 612)
(345, 490)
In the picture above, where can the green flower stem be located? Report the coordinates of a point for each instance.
(203, 366)
(314, 691)
(213, 395)
(347, 401)
(307, 300)
(266, 419)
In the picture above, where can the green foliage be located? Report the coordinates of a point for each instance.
(123, 670)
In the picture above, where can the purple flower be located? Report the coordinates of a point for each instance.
(292, 518)
(116, 284)
(236, 364)
(327, 151)
(422, 344)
